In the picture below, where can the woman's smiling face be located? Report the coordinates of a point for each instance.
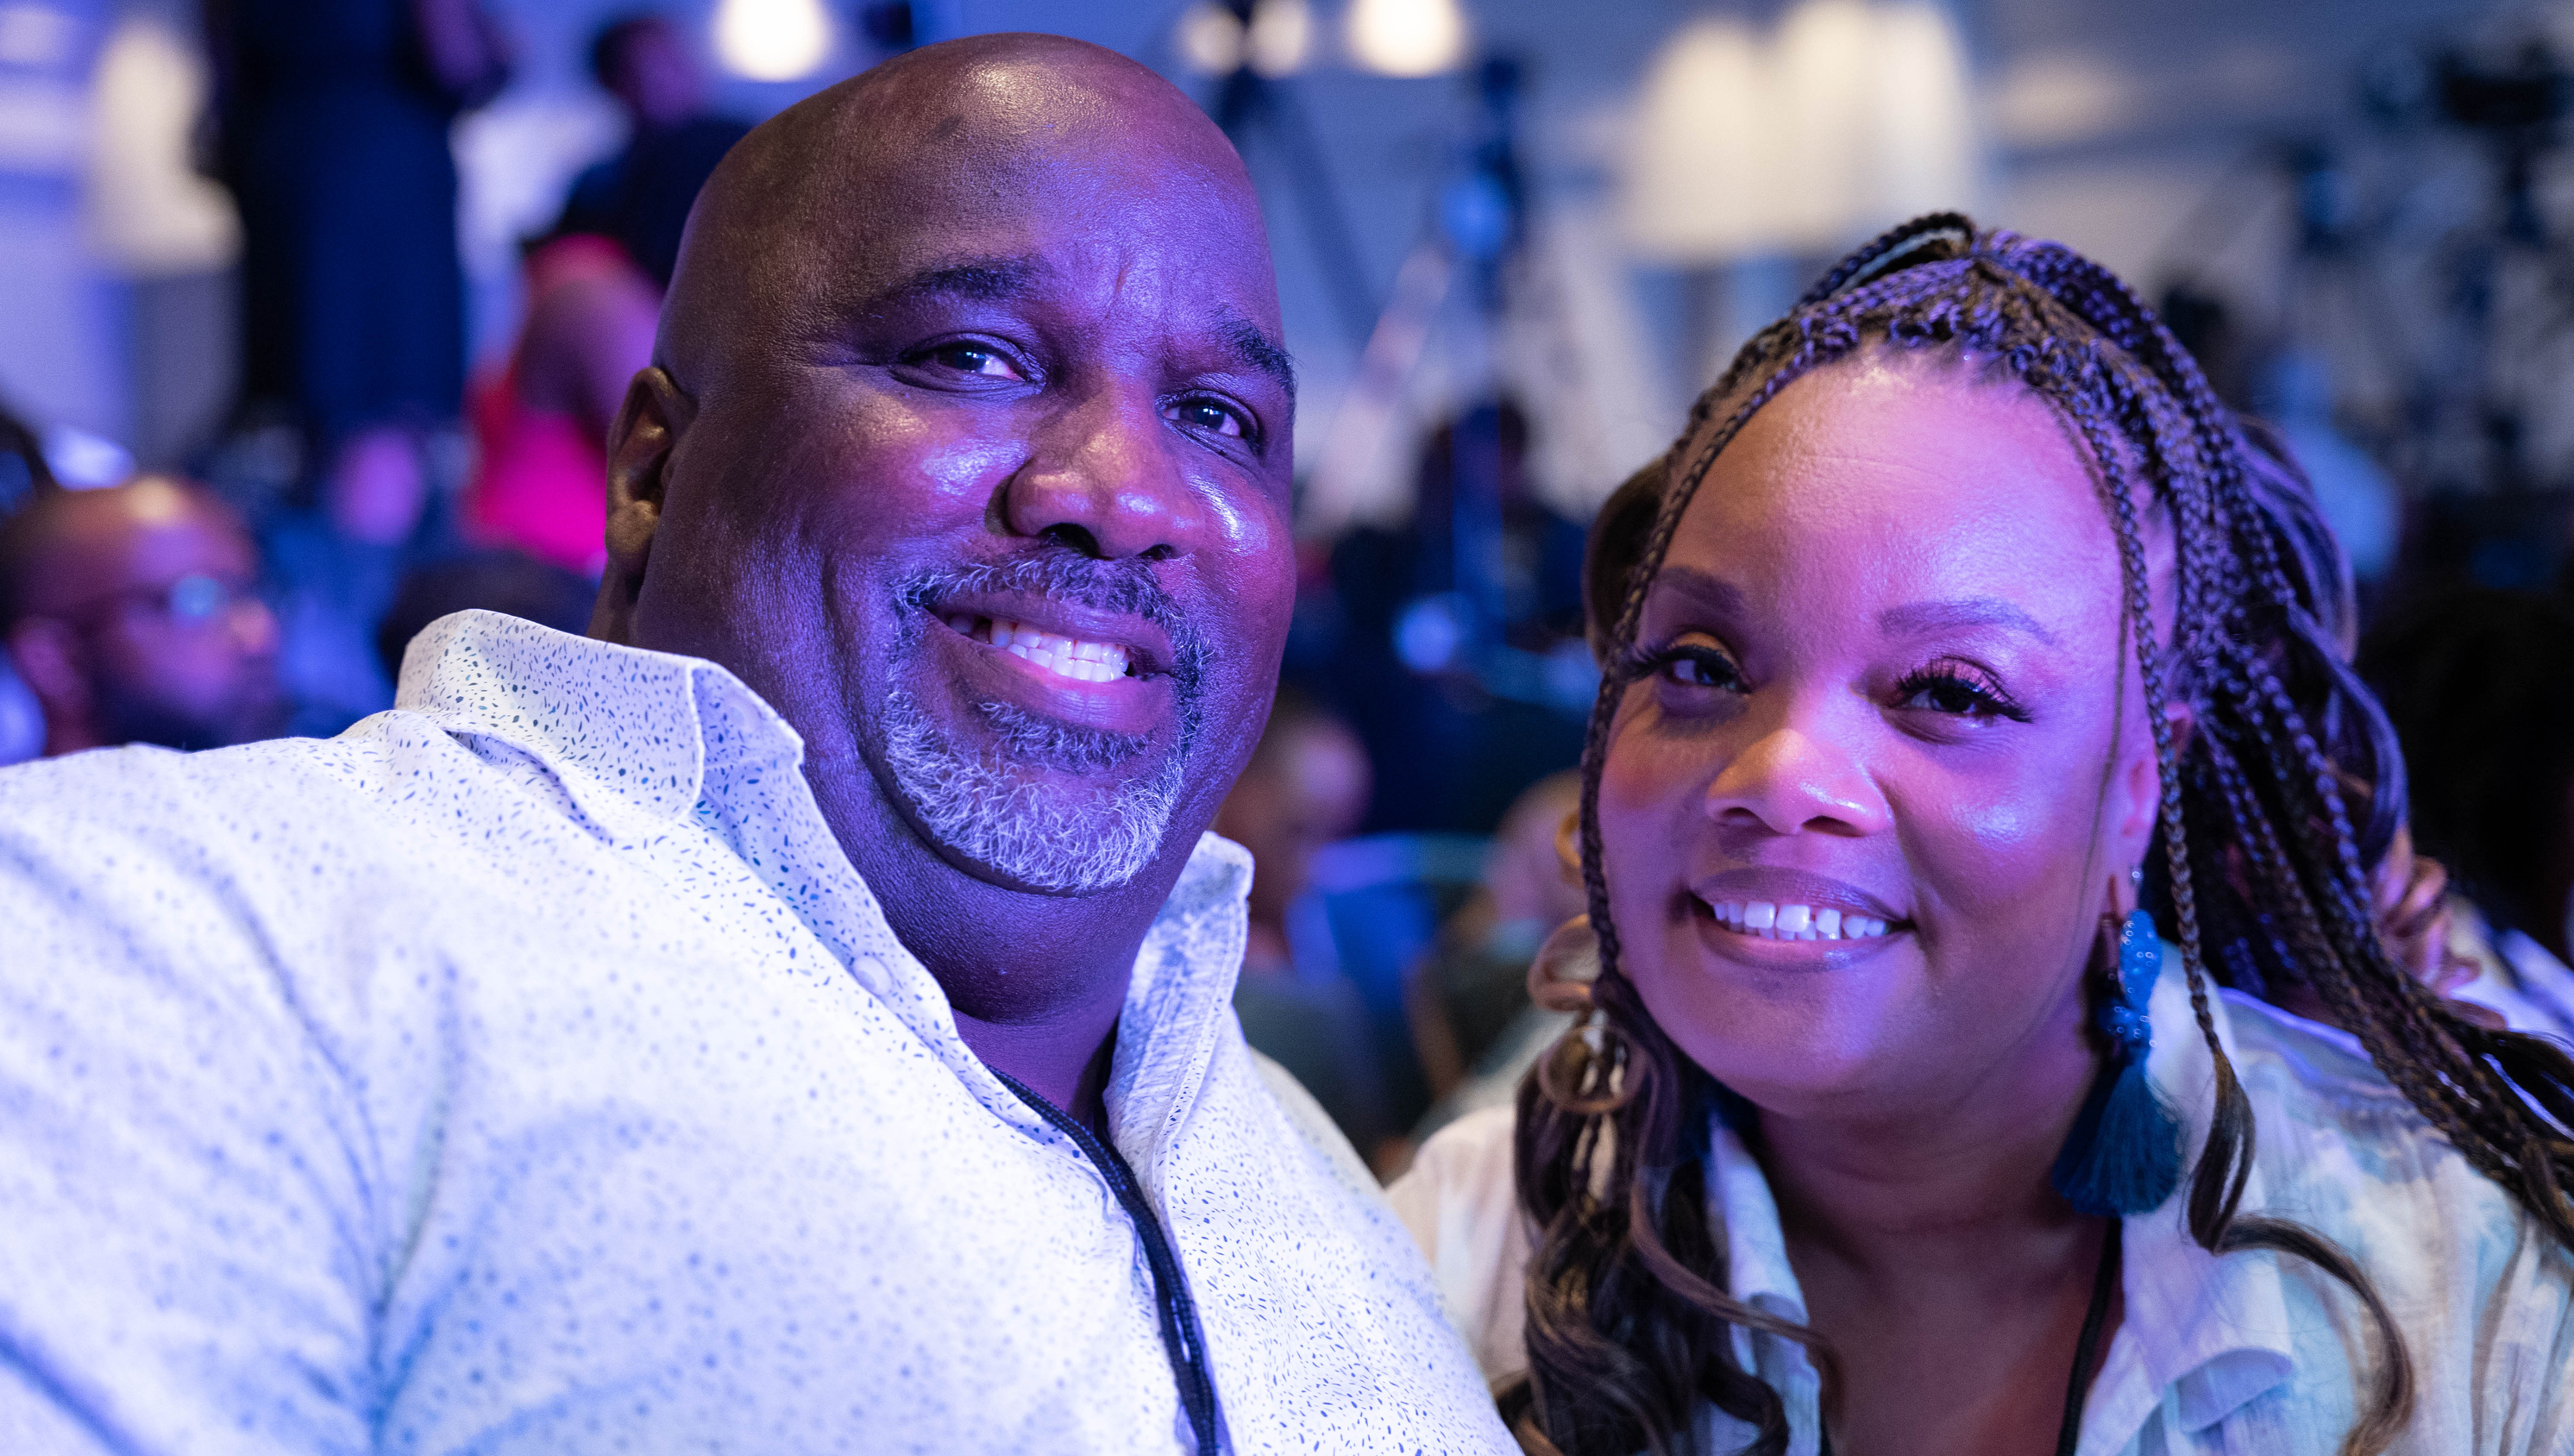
(1859, 817)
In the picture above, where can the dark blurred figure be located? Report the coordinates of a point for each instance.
(1482, 575)
(131, 614)
(1306, 785)
(331, 131)
(640, 196)
(540, 483)
(23, 473)
(2479, 685)
(488, 581)
(1466, 993)
(23, 470)
(333, 566)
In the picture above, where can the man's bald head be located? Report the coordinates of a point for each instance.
(864, 188)
(129, 613)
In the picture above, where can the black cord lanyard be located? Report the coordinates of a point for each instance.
(1181, 1338)
(2105, 1281)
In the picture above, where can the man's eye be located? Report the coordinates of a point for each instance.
(976, 358)
(1207, 414)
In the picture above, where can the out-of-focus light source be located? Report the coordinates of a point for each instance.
(1406, 37)
(1210, 39)
(38, 37)
(1214, 42)
(772, 40)
(1848, 118)
(1282, 36)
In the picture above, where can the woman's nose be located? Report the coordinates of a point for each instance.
(1795, 778)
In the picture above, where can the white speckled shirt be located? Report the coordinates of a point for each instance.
(527, 1070)
(2248, 1355)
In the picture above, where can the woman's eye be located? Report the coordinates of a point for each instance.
(1207, 414)
(976, 358)
(1697, 666)
(1958, 696)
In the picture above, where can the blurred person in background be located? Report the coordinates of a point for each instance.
(332, 122)
(1404, 655)
(330, 128)
(2479, 685)
(640, 196)
(540, 482)
(1466, 994)
(485, 581)
(129, 613)
(23, 472)
(332, 567)
(1306, 785)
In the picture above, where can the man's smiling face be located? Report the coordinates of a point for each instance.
(986, 478)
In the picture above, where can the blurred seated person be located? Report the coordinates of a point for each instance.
(1484, 570)
(1306, 785)
(129, 613)
(541, 422)
(1465, 995)
(2479, 686)
(640, 196)
(483, 581)
(23, 472)
(334, 561)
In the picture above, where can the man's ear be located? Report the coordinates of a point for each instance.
(639, 446)
(47, 655)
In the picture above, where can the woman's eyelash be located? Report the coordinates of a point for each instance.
(1960, 690)
(1717, 670)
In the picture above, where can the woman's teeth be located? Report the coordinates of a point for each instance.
(1083, 661)
(1795, 922)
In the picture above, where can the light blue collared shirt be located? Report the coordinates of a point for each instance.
(2248, 1355)
(528, 1070)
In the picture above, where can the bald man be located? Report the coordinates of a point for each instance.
(793, 1018)
(129, 613)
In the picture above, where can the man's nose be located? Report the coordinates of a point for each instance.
(1102, 477)
(1798, 777)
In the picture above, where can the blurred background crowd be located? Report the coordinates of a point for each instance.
(314, 315)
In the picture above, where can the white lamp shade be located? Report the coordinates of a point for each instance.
(772, 40)
(1848, 118)
(1406, 37)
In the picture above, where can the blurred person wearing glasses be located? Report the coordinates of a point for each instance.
(129, 612)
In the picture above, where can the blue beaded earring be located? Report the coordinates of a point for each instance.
(2123, 1154)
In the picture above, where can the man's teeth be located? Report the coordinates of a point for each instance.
(1083, 661)
(1795, 922)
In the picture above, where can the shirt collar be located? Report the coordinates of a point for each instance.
(637, 739)
(2213, 1332)
(627, 733)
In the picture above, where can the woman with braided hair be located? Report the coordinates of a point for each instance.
(1967, 789)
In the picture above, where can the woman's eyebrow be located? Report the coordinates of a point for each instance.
(1914, 618)
(1708, 592)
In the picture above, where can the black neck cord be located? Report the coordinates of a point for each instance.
(1182, 1340)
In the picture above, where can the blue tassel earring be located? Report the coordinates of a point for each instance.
(2123, 1154)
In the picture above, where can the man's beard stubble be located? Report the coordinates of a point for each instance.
(1013, 806)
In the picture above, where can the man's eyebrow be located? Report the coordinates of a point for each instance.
(984, 280)
(1257, 350)
(1921, 617)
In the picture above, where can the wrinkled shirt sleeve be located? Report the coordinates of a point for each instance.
(182, 1261)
